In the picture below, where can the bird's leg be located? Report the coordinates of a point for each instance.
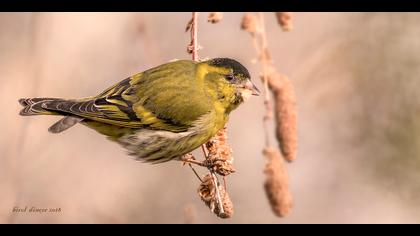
(189, 158)
(217, 164)
(200, 163)
(213, 163)
(206, 163)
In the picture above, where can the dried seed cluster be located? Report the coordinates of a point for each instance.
(249, 23)
(215, 17)
(285, 20)
(208, 194)
(219, 158)
(285, 113)
(276, 183)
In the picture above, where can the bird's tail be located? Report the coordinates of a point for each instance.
(37, 106)
(40, 106)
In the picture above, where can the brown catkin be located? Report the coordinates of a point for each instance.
(276, 184)
(227, 205)
(285, 20)
(219, 158)
(215, 17)
(285, 113)
(249, 23)
(207, 193)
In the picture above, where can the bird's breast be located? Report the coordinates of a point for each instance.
(160, 146)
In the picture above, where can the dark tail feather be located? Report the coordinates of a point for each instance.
(33, 106)
(64, 124)
(40, 106)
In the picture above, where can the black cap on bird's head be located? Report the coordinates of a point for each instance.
(240, 74)
(237, 67)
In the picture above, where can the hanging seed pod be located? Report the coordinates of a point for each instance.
(285, 20)
(215, 17)
(249, 23)
(219, 158)
(276, 184)
(285, 113)
(207, 193)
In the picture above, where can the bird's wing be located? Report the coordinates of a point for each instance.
(165, 98)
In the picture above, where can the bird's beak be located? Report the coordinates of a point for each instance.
(249, 85)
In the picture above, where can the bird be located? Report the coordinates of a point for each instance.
(159, 114)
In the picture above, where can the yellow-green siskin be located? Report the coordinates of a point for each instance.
(161, 113)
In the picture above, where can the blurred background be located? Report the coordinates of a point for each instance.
(356, 79)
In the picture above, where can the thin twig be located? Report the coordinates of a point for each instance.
(193, 48)
(259, 41)
(264, 59)
(194, 36)
(219, 198)
(195, 172)
(276, 184)
(224, 183)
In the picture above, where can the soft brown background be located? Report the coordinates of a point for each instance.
(356, 78)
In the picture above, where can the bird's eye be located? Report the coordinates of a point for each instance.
(230, 78)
